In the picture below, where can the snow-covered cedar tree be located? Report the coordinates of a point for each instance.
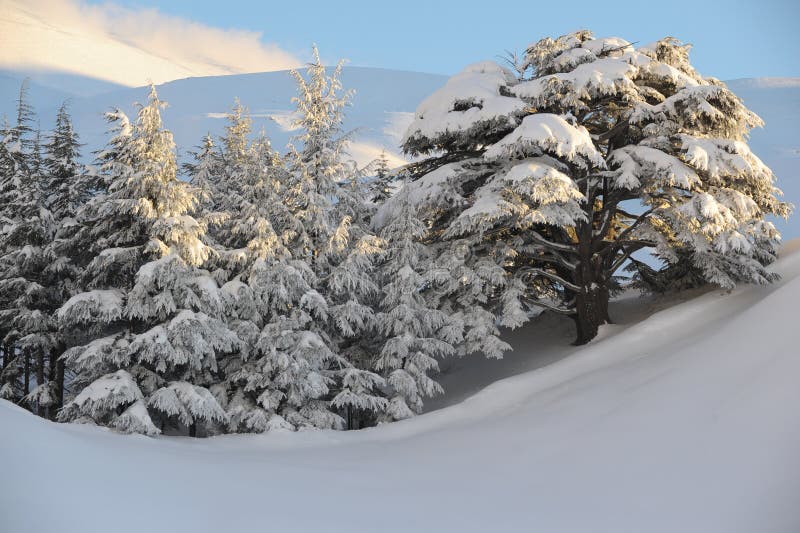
(57, 275)
(11, 387)
(149, 317)
(30, 287)
(280, 375)
(204, 173)
(293, 243)
(588, 152)
(381, 186)
(413, 335)
(328, 229)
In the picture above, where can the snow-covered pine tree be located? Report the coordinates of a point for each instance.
(24, 235)
(328, 230)
(222, 175)
(8, 169)
(149, 312)
(53, 273)
(277, 379)
(592, 151)
(381, 186)
(204, 173)
(413, 334)
(235, 153)
(235, 143)
(9, 162)
(467, 274)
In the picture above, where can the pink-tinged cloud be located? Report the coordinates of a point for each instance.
(126, 46)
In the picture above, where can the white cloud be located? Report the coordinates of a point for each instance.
(126, 46)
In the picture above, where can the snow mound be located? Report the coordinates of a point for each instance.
(685, 420)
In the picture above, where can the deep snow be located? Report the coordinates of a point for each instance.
(685, 420)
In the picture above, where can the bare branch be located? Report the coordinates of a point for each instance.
(549, 306)
(636, 222)
(624, 257)
(555, 246)
(551, 276)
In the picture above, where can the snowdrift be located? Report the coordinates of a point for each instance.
(684, 421)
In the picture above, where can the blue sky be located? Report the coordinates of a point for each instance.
(731, 39)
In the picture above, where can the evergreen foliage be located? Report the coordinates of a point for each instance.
(555, 174)
(151, 316)
(284, 291)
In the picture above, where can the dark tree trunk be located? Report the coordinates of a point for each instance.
(591, 312)
(591, 302)
(55, 376)
(26, 374)
(59, 388)
(193, 430)
(39, 379)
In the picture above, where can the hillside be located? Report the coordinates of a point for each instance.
(680, 421)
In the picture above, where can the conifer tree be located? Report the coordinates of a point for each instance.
(9, 163)
(235, 152)
(151, 314)
(204, 172)
(24, 235)
(381, 186)
(48, 267)
(325, 227)
(542, 169)
(413, 334)
(278, 382)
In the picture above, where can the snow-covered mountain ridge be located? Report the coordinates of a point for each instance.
(381, 106)
(638, 430)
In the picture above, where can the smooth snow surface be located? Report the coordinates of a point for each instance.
(685, 421)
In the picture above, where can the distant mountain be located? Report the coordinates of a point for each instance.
(777, 102)
(383, 104)
(59, 83)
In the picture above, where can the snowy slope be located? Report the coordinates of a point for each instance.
(683, 421)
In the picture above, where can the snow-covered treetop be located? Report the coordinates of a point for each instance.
(236, 132)
(548, 134)
(92, 306)
(472, 104)
(540, 161)
(486, 100)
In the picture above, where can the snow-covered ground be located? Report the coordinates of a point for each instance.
(679, 419)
